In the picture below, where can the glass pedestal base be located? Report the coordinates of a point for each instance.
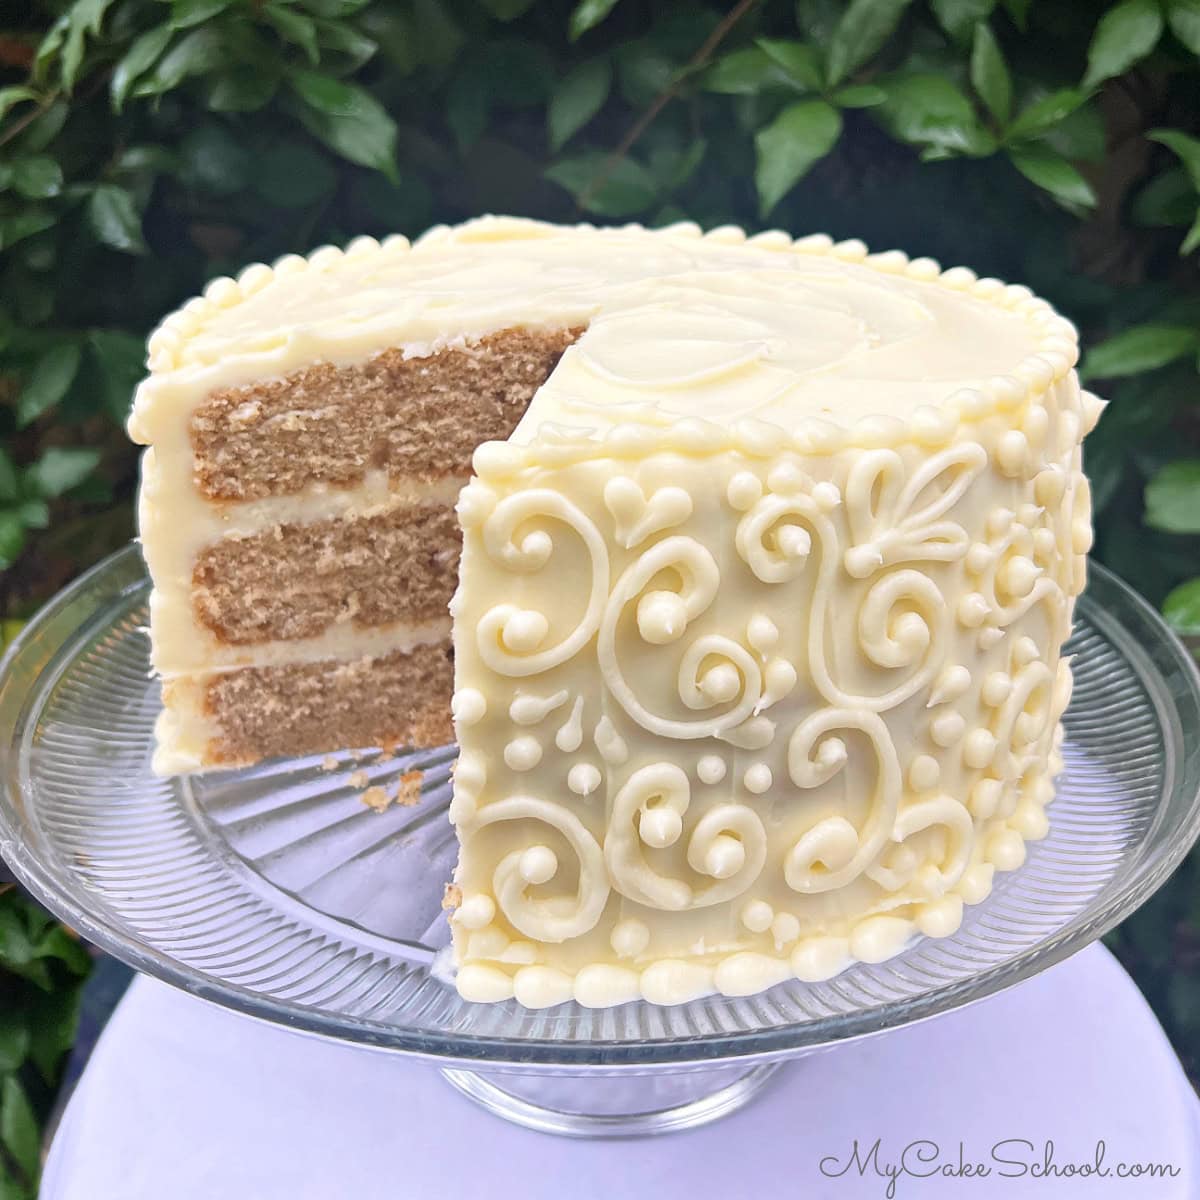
(625, 1105)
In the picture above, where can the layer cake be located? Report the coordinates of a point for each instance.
(749, 617)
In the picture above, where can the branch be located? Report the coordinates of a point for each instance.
(27, 118)
(698, 60)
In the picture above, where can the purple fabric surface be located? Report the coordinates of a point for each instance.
(184, 1101)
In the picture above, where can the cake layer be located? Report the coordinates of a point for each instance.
(241, 716)
(295, 581)
(178, 526)
(407, 416)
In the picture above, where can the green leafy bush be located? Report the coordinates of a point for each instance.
(147, 145)
(42, 969)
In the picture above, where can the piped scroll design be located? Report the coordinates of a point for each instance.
(897, 866)
(1028, 717)
(510, 638)
(726, 849)
(714, 671)
(904, 620)
(553, 918)
(1012, 583)
(897, 520)
(833, 852)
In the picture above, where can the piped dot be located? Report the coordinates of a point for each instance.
(757, 916)
(758, 778)
(629, 937)
(538, 864)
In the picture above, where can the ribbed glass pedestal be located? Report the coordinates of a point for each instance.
(276, 892)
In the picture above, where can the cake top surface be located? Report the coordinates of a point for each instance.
(678, 324)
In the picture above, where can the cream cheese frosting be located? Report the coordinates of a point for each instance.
(761, 608)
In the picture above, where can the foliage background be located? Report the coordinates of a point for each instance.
(148, 145)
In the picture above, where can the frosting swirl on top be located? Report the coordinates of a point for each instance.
(713, 326)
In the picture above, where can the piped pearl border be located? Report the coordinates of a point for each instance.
(1056, 354)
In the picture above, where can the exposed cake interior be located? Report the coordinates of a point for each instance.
(334, 628)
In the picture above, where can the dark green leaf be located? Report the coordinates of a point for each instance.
(989, 74)
(1166, 200)
(37, 178)
(1054, 174)
(44, 127)
(1192, 240)
(672, 168)
(347, 119)
(643, 72)
(1019, 11)
(242, 90)
(742, 73)
(468, 100)
(863, 95)
(294, 27)
(340, 37)
(1182, 609)
(1124, 36)
(14, 1038)
(293, 175)
(1183, 16)
(195, 53)
(1079, 136)
(54, 942)
(518, 73)
(83, 17)
(119, 360)
(114, 219)
(8, 478)
(788, 148)
(577, 99)
(861, 33)
(186, 13)
(507, 10)
(1185, 147)
(25, 224)
(47, 382)
(12, 96)
(587, 15)
(18, 1127)
(1042, 114)
(438, 35)
(327, 95)
(12, 537)
(1137, 349)
(48, 49)
(54, 1031)
(145, 158)
(142, 54)
(617, 189)
(212, 158)
(798, 60)
(34, 514)
(61, 468)
(929, 110)
(959, 17)
(1173, 497)
(335, 10)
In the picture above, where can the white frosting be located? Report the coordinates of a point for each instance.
(757, 638)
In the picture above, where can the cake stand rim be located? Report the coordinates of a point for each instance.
(505, 1055)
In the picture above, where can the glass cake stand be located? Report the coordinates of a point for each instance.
(276, 892)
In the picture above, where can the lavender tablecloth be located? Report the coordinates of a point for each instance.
(184, 1101)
